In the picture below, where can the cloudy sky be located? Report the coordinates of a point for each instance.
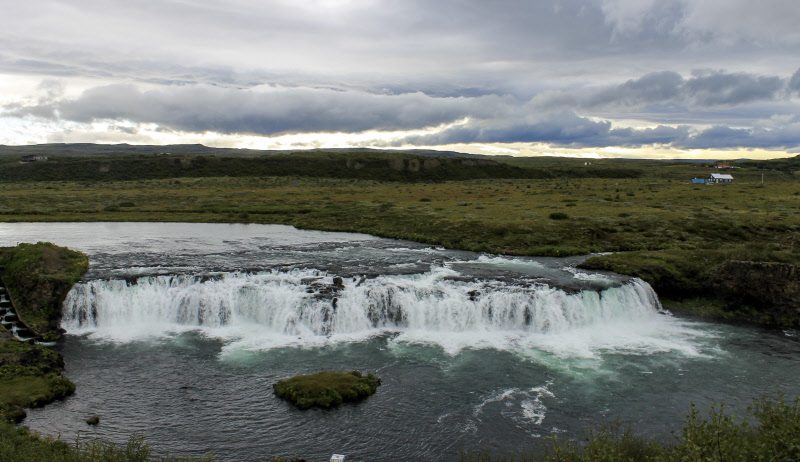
(644, 78)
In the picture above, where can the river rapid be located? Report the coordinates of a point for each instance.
(178, 332)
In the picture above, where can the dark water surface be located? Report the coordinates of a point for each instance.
(179, 331)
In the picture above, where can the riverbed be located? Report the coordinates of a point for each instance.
(178, 332)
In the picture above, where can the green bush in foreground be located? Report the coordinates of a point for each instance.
(21, 445)
(326, 389)
(720, 437)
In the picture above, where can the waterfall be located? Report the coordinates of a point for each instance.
(310, 304)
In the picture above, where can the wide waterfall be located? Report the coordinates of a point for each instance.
(310, 306)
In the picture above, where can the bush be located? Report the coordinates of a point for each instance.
(558, 216)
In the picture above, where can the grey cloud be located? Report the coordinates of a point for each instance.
(561, 128)
(718, 88)
(463, 43)
(703, 89)
(271, 111)
(653, 87)
(794, 82)
(785, 137)
(568, 129)
(564, 128)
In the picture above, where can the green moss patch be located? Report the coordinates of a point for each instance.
(326, 389)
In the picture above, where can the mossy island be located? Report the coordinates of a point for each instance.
(326, 389)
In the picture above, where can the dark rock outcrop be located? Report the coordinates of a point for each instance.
(770, 288)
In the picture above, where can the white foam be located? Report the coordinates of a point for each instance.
(591, 277)
(497, 260)
(526, 407)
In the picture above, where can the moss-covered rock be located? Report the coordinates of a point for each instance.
(710, 284)
(326, 389)
(771, 286)
(38, 277)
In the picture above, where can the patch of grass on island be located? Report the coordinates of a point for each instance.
(326, 389)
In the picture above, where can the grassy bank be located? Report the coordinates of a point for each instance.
(30, 376)
(38, 277)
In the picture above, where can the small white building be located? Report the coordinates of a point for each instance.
(719, 178)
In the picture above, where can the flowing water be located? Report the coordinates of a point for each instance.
(178, 332)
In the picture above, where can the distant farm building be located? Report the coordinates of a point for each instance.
(33, 158)
(698, 181)
(719, 178)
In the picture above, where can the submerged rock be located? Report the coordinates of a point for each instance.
(93, 420)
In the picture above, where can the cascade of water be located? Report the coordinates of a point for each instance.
(308, 302)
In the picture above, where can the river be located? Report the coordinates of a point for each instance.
(178, 332)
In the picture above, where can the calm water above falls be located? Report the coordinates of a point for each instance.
(178, 331)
